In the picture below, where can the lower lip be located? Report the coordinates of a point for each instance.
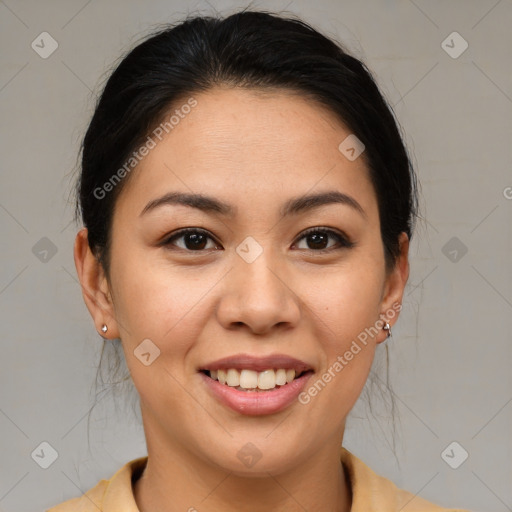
(257, 402)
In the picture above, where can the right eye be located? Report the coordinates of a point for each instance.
(194, 239)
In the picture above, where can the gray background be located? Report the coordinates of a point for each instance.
(451, 350)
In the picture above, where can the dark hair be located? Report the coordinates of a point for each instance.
(250, 49)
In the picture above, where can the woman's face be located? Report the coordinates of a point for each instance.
(251, 285)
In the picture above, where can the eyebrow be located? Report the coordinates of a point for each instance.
(293, 206)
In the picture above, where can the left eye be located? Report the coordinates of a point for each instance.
(318, 237)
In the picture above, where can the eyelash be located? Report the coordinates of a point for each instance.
(343, 241)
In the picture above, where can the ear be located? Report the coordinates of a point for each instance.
(394, 288)
(95, 287)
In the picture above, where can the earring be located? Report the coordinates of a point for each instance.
(387, 327)
(104, 328)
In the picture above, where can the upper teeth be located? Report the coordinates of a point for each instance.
(249, 379)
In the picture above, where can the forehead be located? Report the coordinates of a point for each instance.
(250, 143)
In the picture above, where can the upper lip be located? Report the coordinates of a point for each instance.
(258, 363)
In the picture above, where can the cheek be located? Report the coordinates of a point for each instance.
(162, 307)
(345, 300)
(162, 303)
(345, 309)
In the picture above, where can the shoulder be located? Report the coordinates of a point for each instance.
(109, 495)
(374, 493)
(90, 501)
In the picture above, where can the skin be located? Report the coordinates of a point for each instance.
(255, 151)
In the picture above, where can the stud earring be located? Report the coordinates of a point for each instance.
(104, 328)
(387, 327)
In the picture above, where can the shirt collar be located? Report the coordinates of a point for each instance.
(119, 492)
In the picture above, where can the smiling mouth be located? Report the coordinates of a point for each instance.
(253, 381)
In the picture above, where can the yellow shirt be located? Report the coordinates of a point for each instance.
(370, 492)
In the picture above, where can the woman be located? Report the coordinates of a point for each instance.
(248, 205)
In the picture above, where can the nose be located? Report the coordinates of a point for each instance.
(259, 296)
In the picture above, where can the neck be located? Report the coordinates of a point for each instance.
(176, 480)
